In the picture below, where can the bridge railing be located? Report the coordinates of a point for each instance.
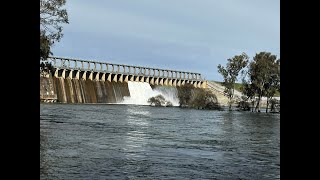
(104, 67)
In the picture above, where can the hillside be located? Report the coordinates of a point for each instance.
(239, 85)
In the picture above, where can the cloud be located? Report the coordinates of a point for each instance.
(182, 34)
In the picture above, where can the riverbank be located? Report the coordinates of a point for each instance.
(218, 89)
(237, 87)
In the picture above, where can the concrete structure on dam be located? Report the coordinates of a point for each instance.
(83, 81)
(103, 71)
(47, 89)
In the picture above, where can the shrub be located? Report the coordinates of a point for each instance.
(243, 104)
(159, 101)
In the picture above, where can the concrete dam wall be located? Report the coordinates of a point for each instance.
(88, 91)
(84, 81)
(67, 90)
(47, 89)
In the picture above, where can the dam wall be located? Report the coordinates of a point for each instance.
(84, 81)
(89, 91)
(47, 88)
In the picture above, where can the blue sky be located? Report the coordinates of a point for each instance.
(189, 35)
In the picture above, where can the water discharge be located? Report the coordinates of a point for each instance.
(88, 91)
(170, 93)
(140, 92)
(91, 91)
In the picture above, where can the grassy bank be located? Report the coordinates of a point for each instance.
(239, 85)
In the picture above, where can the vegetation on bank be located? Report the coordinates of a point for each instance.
(230, 74)
(190, 97)
(52, 15)
(198, 98)
(274, 106)
(159, 101)
(239, 86)
(260, 79)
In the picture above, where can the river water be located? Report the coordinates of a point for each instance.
(142, 142)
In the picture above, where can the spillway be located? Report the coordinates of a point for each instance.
(67, 90)
(140, 92)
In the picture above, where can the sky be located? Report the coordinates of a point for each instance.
(186, 35)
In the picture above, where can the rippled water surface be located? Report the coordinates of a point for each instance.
(142, 142)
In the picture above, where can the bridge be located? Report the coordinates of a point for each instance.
(103, 71)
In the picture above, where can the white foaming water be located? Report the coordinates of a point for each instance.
(140, 92)
(170, 93)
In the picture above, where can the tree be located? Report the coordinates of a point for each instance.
(52, 15)
(243, 105)
(204, 99)
(275, 105)
(185, 94)
(273, 82)
(249, 91)
(263, 77)
(198, 98)
(231, 72)
(159, 100)
(44, 47)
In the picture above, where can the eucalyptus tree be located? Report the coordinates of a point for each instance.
(263, 77)
(52, 16)
(273, 82)
(231, 72)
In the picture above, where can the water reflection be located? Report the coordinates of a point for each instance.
(135, 140)
(138, 115)
(44, 165)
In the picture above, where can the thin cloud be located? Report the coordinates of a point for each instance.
(183, 35)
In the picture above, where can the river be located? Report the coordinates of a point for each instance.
(82, 141)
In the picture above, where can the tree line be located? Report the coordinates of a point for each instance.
(260, 78)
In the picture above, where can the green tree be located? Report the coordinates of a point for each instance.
(273, 82)
(198, 98)
(275, 105)
(159, 100)
(249, 91)
(243, 104)
(204, 99)
(185, 94)
(52, 15)
(262, 77)
(230, 74)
